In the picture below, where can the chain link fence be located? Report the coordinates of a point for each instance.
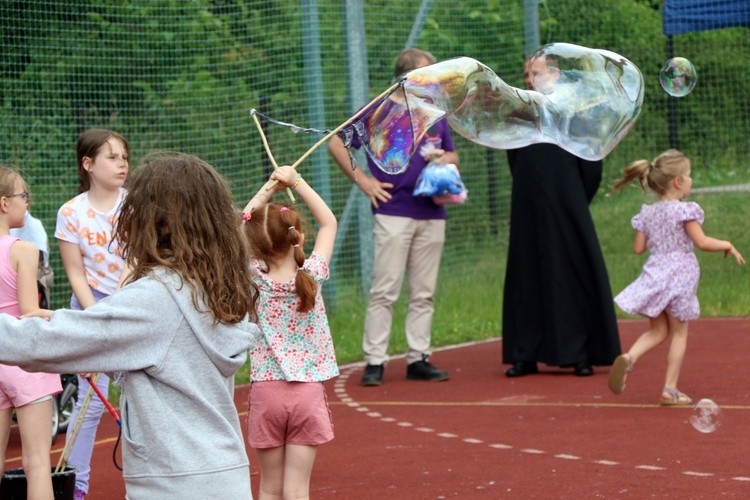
(185, 75)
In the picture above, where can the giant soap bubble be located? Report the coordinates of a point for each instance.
(589, 102)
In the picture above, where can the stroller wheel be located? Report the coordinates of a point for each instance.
(55, 420)
(66, 401)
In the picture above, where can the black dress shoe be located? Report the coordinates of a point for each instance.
(373, 375)
(423, 370)
(521, 369)
(583, 369)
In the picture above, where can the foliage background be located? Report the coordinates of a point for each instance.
(184, 75)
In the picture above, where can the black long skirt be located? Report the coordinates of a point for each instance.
(557, 306)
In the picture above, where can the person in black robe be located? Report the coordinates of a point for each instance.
(557, 306)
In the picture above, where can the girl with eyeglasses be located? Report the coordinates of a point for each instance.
(30, 394)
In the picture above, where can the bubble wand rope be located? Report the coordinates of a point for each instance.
(106, 402)
(77, 426)
(335, 131)
(268, 150)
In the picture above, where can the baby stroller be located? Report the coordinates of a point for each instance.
(63, 405)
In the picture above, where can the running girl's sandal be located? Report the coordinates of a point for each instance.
(620, 369)
(676, 398)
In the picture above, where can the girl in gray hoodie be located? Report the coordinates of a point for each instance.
(177, 331)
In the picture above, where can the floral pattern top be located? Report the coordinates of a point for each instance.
(294, 346)
(669, 280)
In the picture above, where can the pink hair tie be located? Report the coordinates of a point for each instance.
(246, 216)
(283, 209)
(296, 246)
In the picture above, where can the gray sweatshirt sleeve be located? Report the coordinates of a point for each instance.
(123, 332)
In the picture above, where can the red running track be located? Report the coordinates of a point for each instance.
(552, 435)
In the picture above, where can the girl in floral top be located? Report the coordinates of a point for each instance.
(665, 292)
(288, 415)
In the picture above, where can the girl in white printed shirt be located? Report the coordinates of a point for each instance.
(92, 261)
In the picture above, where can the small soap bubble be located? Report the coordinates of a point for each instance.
(678, 77)
(706, 416)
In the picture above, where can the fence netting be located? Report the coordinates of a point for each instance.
(185, 75)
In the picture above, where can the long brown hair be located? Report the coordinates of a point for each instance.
(659, 174)
(89, 143)
(274, 229)
(179, 215)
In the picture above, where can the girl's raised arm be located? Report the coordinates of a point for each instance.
(327, 224)
(280, 179)
(709, 244)
(286, 176)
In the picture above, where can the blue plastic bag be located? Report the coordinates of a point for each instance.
(436, 180)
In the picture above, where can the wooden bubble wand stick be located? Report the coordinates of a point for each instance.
(268, 151)
(335, 131)
(77, 426)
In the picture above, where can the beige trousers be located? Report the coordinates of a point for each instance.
(403, 247)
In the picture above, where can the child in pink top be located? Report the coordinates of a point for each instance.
(30, 394)
(288, 415)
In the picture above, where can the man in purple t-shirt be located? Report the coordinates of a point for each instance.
(409, 237)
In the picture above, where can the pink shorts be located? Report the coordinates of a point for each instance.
(19, 388)
(282, 413)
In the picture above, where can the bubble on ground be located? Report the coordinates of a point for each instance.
(706, 416)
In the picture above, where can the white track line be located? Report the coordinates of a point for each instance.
(341, 394)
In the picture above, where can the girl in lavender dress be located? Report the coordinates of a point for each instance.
(665, 292)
